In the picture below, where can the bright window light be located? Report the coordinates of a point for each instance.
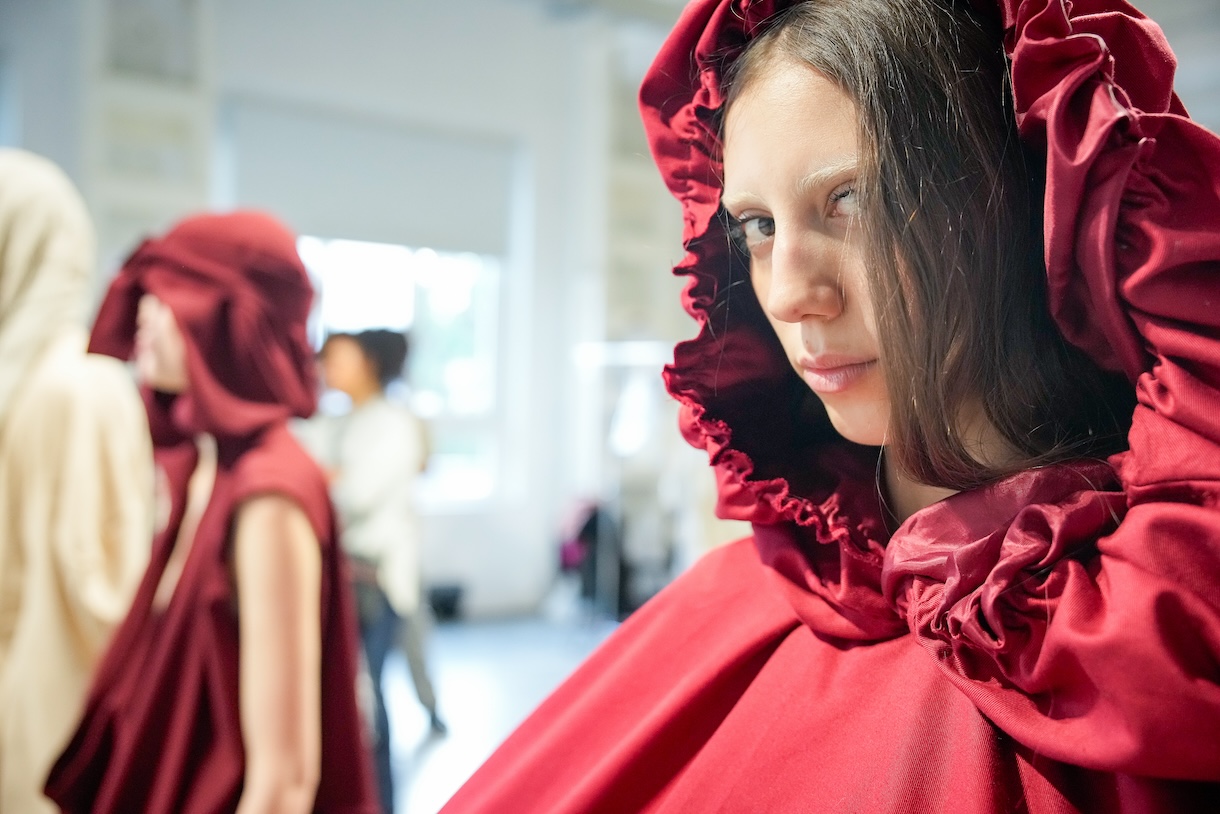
(448, 304)
(362, 285)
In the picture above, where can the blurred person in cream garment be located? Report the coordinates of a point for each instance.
(76, 477)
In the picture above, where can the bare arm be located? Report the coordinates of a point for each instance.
(278, 572)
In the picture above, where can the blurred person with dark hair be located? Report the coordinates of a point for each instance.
(75, 477)
(373, 454)
(231, 684)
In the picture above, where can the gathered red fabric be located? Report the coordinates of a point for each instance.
(1046, 643)
(241, 298)
(161, 731)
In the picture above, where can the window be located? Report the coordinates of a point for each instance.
(447, 302)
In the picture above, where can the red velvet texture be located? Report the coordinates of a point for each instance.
(1048, 643)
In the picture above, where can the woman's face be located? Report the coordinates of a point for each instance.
(790, 166)
(344, 366)
(160, 349)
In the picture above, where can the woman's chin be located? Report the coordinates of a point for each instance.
(154, 380)
(865, 427)
(146, 378)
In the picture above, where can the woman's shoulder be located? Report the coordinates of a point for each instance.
(67, 374)
(387, 413)
(728, 587)
(385, 422)
(69, 392)
(277, 464)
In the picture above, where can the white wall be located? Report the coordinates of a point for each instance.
(480, 70)
(365, 178)
(493, 72)
(41, 46)
(504, 74)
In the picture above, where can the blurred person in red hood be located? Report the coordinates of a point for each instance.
(231, 684)
(956, 269)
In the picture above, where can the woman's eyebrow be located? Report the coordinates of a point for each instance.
(736, 199)
(826, 174)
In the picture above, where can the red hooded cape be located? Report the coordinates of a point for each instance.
(1047, 643)
(161, 730)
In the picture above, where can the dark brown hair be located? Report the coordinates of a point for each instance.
(951, 217)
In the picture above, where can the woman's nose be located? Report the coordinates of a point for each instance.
(804, 282)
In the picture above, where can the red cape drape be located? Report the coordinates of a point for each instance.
(1048, 643)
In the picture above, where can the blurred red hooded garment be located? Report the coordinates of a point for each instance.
(1046, 643)
(161, 730)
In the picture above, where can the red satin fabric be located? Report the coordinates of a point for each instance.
(1048, 643)
(241, 298)
(161, 731)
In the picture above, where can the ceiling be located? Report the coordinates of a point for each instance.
(660, 12)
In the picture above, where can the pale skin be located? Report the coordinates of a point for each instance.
(347, 369)
(278, 573)
(790, 165)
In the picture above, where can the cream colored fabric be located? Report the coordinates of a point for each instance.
(75, 479)
(46, 262)
(76, 491)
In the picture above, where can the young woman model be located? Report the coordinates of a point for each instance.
(971, 407)
(76, 477)
(231, 684)
(373, 455)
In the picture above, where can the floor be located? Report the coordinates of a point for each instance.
(488, 676)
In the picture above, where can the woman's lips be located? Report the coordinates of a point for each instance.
(834, 374)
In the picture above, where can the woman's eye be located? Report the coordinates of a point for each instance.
(748, 232)
(844, 202)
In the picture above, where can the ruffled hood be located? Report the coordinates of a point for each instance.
(46, 263)
(241, 297)
(778, 463)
